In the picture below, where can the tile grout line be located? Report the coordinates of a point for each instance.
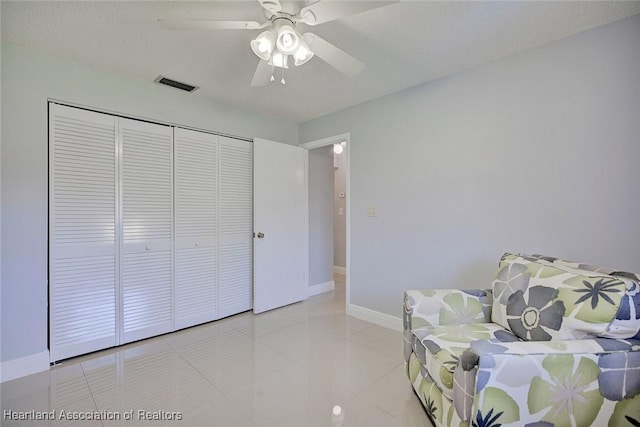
(84, 374)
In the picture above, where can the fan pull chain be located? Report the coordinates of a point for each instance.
(283, 81)
(273, 68)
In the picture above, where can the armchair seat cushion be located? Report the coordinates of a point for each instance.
(439, 348)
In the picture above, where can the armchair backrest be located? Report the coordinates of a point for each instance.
(541, 298)
(586, 267)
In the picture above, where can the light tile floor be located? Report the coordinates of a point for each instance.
(286, 367)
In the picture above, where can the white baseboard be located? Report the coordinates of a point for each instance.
(23, 366)
(339, 270)
(321, 288)
(380, 319)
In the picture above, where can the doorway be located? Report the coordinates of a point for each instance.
(329, 214)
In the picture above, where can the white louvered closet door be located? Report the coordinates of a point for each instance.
(196, 227)
(146, 164)
(236, 226)
(82, 231)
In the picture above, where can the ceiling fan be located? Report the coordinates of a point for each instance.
(281, 41)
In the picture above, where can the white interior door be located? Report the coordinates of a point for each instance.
(82, 231)
(146, 151)
(280, 223)
(196, 227)
(235, 225)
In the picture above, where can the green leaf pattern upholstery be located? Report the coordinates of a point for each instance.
(553, 343)
(539, 301)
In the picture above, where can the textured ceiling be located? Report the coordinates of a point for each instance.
(402, 45)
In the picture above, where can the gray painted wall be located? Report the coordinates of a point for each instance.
(320, 215)
(28, 79)
(340, 221)
(537, 152)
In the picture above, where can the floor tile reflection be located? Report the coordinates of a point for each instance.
(306, 364)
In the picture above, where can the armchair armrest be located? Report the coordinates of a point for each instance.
(578, 382)
(433, 307)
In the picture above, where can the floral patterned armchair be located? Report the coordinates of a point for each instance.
(552, 343)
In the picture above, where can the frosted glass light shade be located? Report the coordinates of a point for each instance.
(303, 54)
(264, 44)
(338, 148)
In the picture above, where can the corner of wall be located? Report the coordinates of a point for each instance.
(321, 288)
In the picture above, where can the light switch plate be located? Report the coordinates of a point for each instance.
(372, 211)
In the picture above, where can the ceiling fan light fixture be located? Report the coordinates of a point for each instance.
(264, 44)
(303, 54)
(288, 40)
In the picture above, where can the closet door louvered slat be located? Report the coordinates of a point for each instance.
(82, 235)
(146, 250)
(236, 226)
(196, 231)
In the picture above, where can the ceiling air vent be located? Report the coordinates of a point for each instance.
(178, 85)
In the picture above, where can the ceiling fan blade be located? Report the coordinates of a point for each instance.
(262, 76)
(204, 24)
(333, 55)
(325, 11)
(272, 6)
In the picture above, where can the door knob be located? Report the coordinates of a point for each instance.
(261, 235)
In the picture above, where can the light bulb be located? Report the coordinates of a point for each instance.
(288, 40)
(338, 148)
(263, 46)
